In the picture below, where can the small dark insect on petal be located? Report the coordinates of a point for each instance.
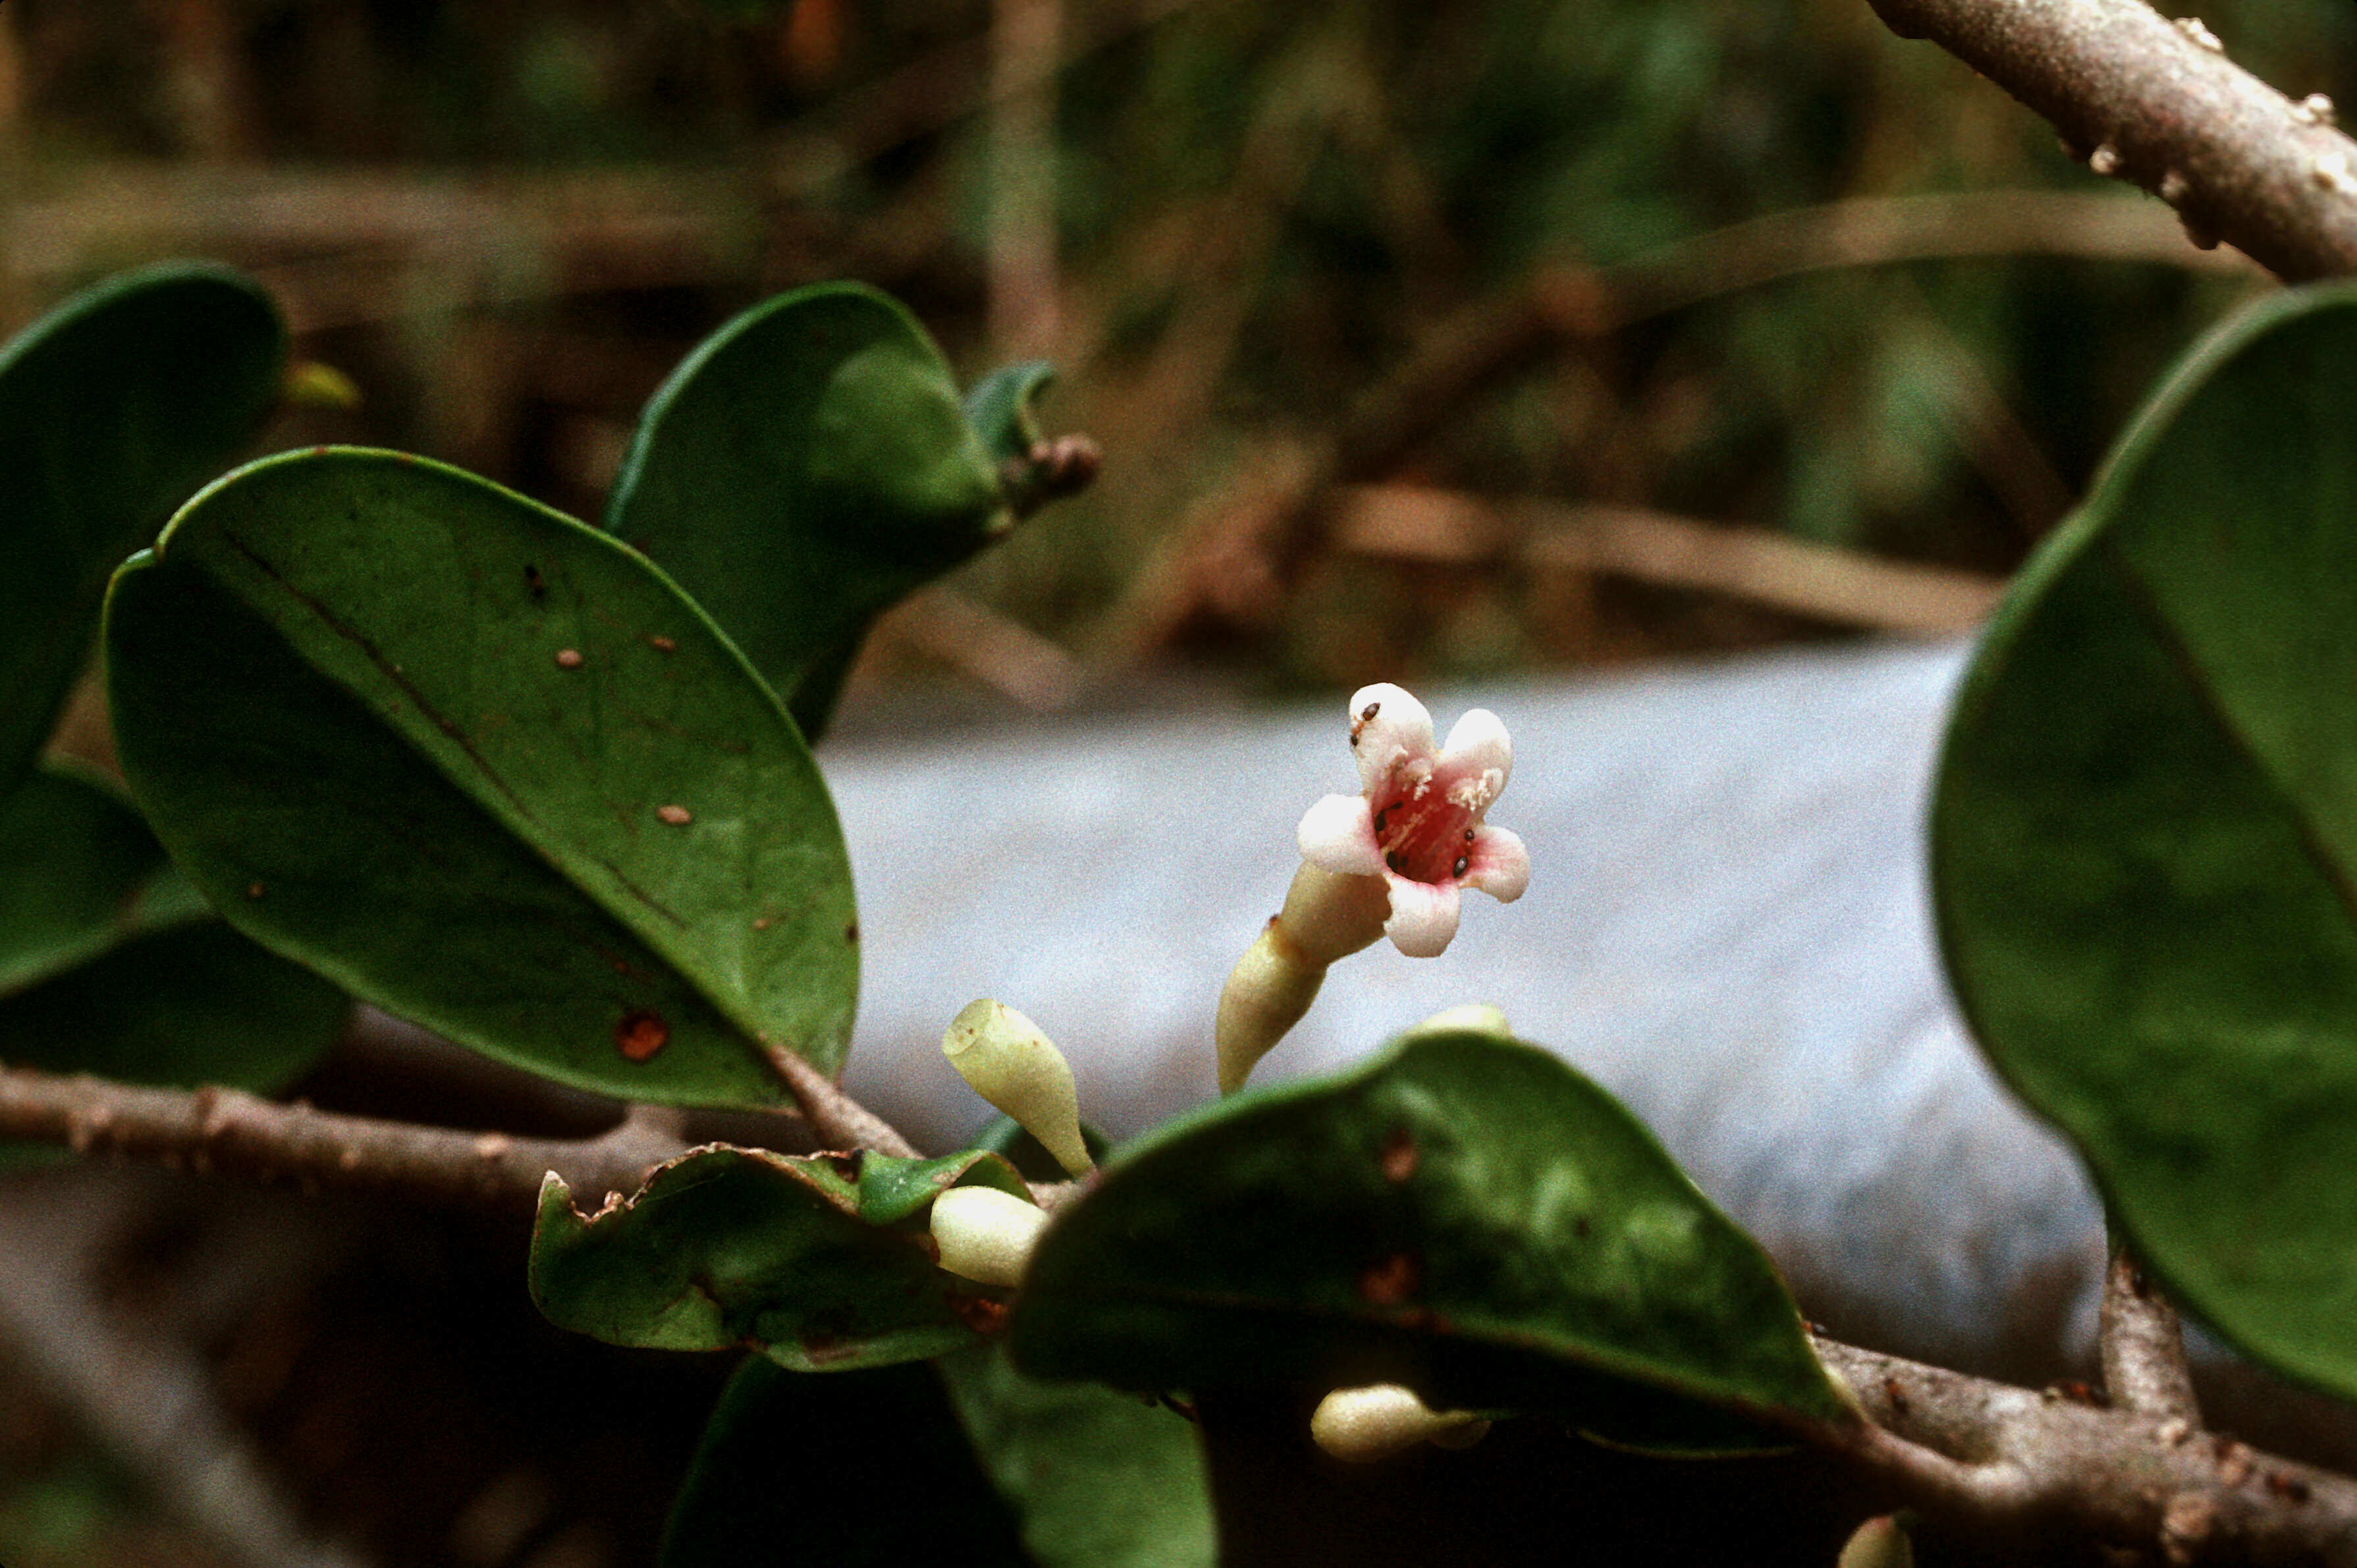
(1458, 869)
(1367, 714)
(1393, 860)
(1379, 818)
(1469, 836)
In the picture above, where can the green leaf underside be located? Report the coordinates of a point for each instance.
(109, 963)
(377, 765)
(73, 857)
(1099, 1479)
(2145, 835)
(1462, 1214)
(819, 1263)
(114, 407)
(180, 1006)
(790, 1458)
(807, 467)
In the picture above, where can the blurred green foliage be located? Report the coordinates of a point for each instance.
(1262, 211)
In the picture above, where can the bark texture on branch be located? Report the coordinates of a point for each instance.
(228, 1131)
(1982, 1452)
(2145, 1369)
(2159, 103)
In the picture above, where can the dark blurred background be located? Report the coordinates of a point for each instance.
(1422, 343)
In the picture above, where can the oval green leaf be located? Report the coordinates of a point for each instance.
(2145, 835)
(114, 408)
(783, 1455)
(803, 470)
(823, 1263)
(485, 766)
(109, 963)
(1098, 1479)
(75, 855)
(1461, 1213)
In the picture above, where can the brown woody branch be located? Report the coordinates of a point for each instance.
(1978, 1454)
(2158, 103)
(2145, 1369)
(232, 1131)
(1960, 1448)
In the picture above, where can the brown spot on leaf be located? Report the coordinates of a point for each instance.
(851, 932)
(641, 1034)
(568, 658)
(1398, 1158)
(677, 816)
(1391, 1281)
(760, 923)
(253, 889)
(663, 644)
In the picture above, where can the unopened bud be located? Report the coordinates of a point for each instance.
(986, 1234)
(1327, 916)
(1008, 1061)
(1879, 1543)
(1475, 1018)
(1374, 1422)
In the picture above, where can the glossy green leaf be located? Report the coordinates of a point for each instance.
(483, 765)
(114, 407)
(1099, 1479)
(1461, 1213)
(73, 857)
(2145, 835)
(805, 468)
(822, 1262)
(789, 1458)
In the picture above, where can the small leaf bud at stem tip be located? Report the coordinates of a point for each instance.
(1004, 1058)
(1374, 1422)
(987, 1235)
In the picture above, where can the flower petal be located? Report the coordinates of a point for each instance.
(1497, 865)
(1424, 917)
(1339, 833)
(1478, 744)
(1387, 727)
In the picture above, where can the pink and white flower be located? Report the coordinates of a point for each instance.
(1417, 823)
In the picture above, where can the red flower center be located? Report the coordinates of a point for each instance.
(1425, 837)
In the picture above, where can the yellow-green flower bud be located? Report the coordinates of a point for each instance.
(1374, 1422)
(1008, 1061)
(1479, 1017)
(1879, 1543)
(986, 1234)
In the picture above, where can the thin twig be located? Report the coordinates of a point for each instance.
(841, 1121)
(232, 1132)
(2143, 1349)
(2159, 103)
(1979, 1452)
(1816, 580)
(1259, 525)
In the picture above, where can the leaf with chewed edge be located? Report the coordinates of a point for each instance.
(485, 766)
(823, 1262)
(1461, 1213)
